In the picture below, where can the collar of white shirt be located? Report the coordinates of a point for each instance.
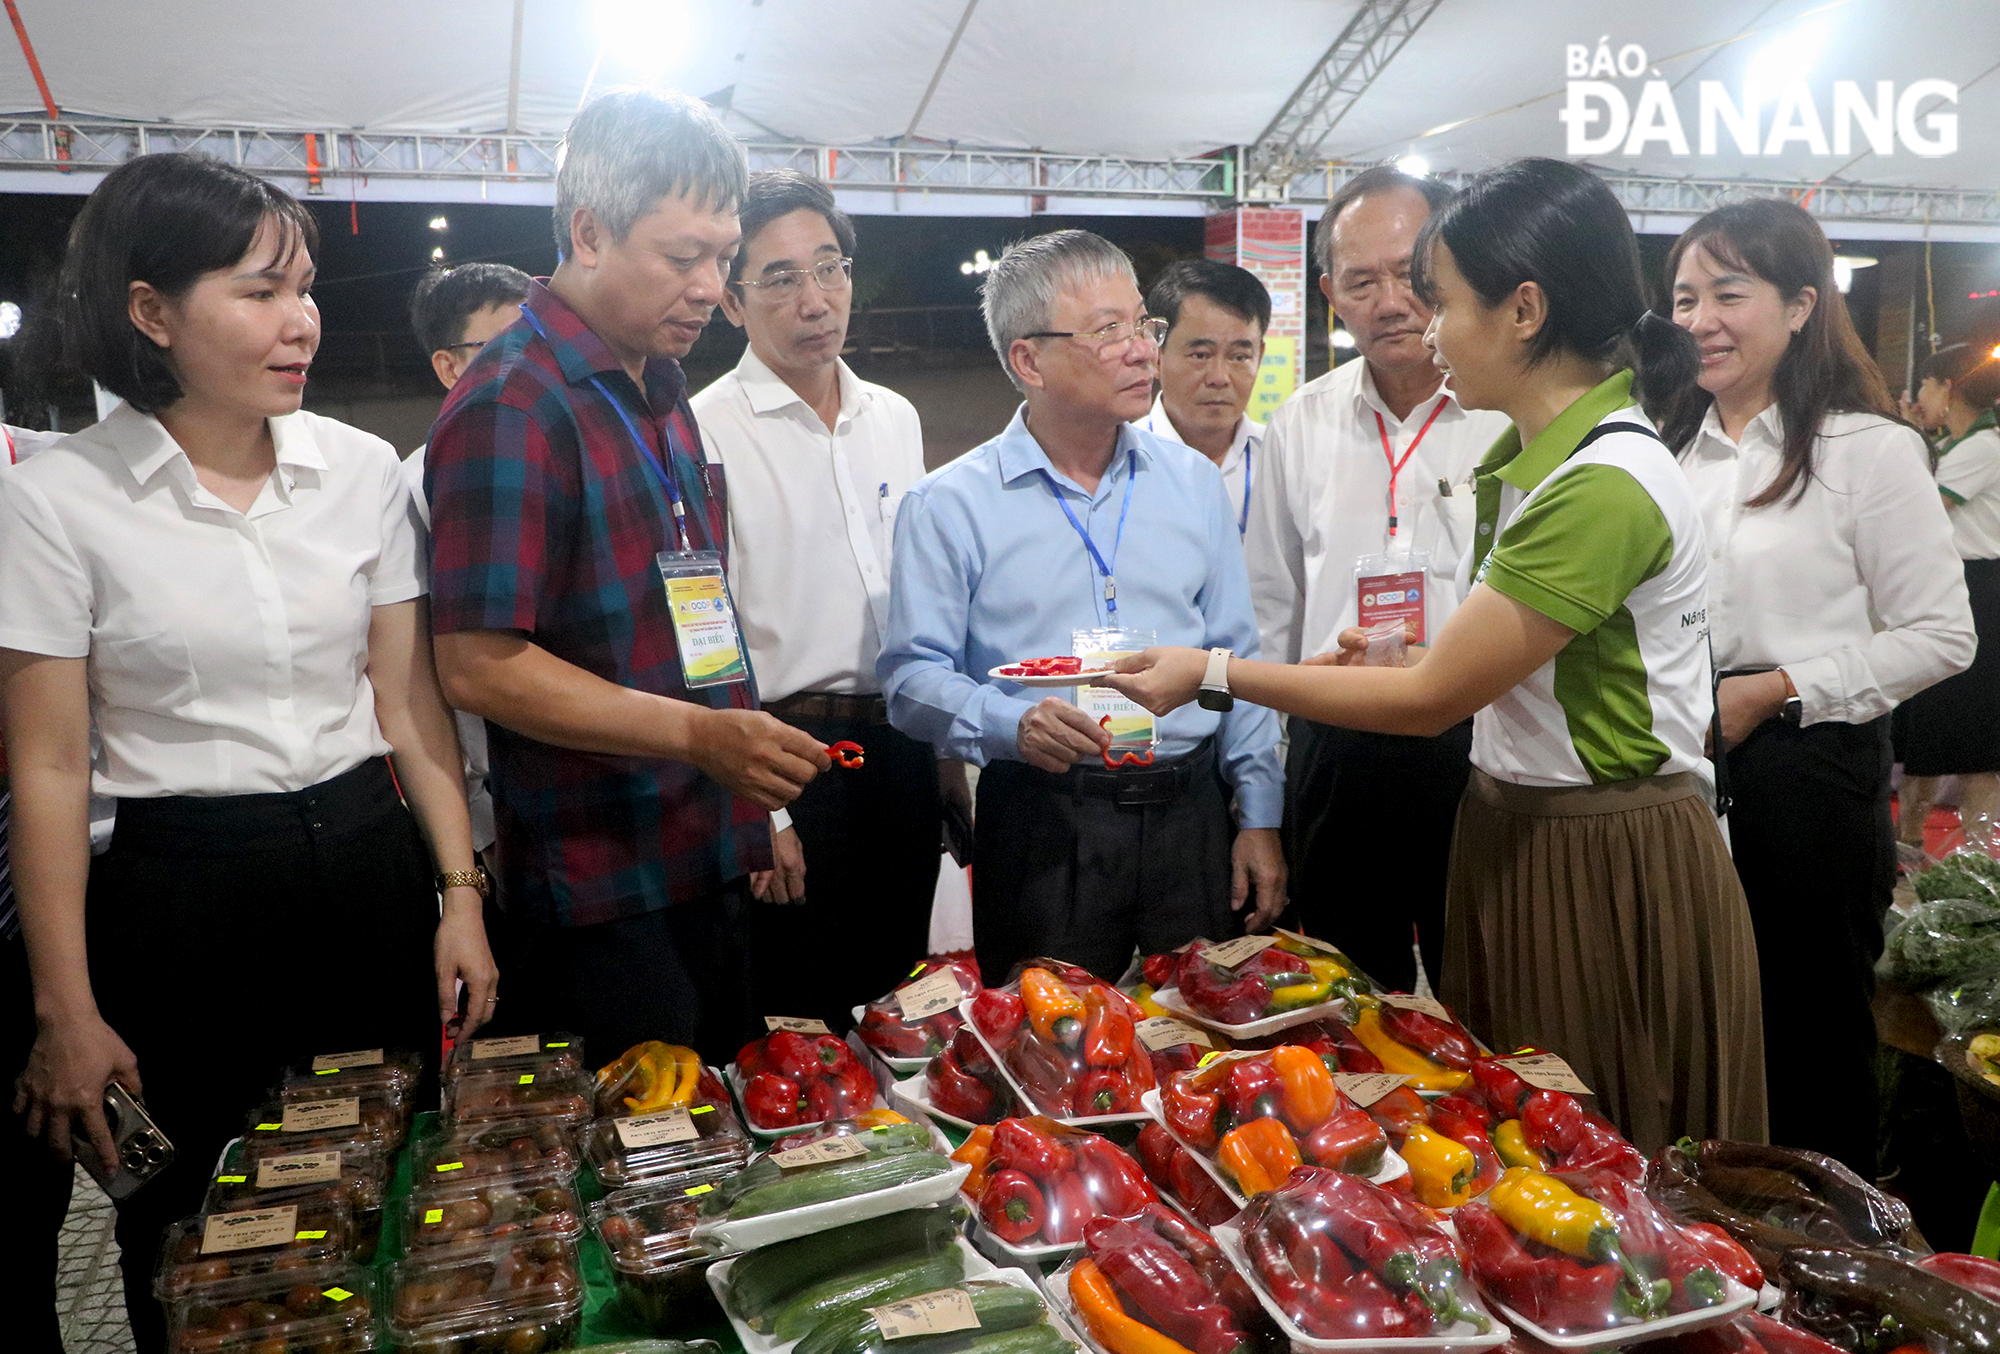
(146, 446)
(1020, 454)
(1768, 427)
(768, 393)
(1161, 424)
(1368, 400)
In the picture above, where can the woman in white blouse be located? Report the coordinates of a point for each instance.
(1834, 593)
(232, 590)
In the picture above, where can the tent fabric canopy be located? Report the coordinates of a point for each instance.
(1144, 78)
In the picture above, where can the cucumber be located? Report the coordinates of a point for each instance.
(1000, 1307)
(888, 1140)
(1040, 1338)
(841, 1180)
(872, 1286)
(760, 1279)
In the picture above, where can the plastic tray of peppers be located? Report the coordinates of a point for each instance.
(1156, 1284)
(904, 1044)
(1287, 982)
(961, 1085)
(1065, 1042)
(788, 1081)
(1036, 1183)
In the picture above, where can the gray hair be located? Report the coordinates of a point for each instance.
(628, 149)
(1019, 295)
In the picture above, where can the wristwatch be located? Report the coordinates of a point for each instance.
(474, 878)
(1214, 693)
(1793, 711)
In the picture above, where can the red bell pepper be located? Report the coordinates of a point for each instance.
(1192, 1113)
(1468, 1110)
(1500, 1087)
(1218, 993)
(1209, 1261)
(1044, 1074)
(897, 1038)
(1029, 1146)
(773, 1101)
(1442, 1041)
(1013, 1208)
(1348, 1052)
(1350, 1141)
(1118, 1188)
(837, 1097)
(1398, 1244)
(1401, 1110)
(792, 1055)
(956, 1092)
(1254, 1090)
(972, 1055)
(834, 1054)
(1069, 1208)
(1727, 1256)
(999, 1014)
(752, 1059)
(1152, 1275)
(1158, 969)
(1106, 1090)
(1108, 1029)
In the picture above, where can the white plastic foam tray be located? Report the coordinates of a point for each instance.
(1027, 1102)
(1393, 1166)
(719, 1235)
(1169, 998)
(1738, 1300)
(915, 1092)
(902, 1067)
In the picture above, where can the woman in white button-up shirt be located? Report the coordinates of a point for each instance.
(232, 590)
(1834, 592)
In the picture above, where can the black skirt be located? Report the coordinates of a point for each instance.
(1953, 728)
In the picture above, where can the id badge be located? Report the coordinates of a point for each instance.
(705, 629)
(1392, 588)
(1131, 726)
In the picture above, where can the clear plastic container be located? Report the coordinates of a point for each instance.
(353, 1178)
(326, 1311)
(660, 1270)
(628, 1151)
(478, 1210)
(503, 1148)
(208, 1249)
(486, 1096)
(518, 1053)
(510, 1296)
(314, 1125)
(392, 1082)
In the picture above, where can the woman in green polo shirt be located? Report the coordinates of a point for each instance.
(1592, 908)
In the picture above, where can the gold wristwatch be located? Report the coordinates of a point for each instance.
(474, 878)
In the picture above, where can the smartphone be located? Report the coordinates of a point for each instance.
(143, 1151)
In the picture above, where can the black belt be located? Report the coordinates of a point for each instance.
(1129, 786)
(828, 705)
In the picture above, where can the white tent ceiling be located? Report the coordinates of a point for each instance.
(1144, 78)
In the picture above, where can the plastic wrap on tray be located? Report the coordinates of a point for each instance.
(355, 1178)
(499, 1148)
(789, 1080)
(994, 1313)
(1160, 1272)
(553, 1052)
(317, 1311)
(963, 1082)
(762, 1282)
(918, 1017)
(562, 1096)
(1036, 1182)
(1178, 1176)
(316, 1124)
(876, 1160)
(1870, 1300)
(1256, 978)
(510, 1297)
(701, 1136)
(207, 1249)
(452, 1212)
(1069, 1040)
(657, 1264)
(1257, 1115)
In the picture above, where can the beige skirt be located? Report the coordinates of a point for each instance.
(1605, 923)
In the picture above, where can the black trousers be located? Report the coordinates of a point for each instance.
(1811, 834)
(871, 837)
(37, 1183)
(1062, 875)
(680, 974)
(1368, 822)
(231, 936)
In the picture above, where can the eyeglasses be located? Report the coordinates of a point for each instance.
(834, 275)
(454, 347)
(1115, 334)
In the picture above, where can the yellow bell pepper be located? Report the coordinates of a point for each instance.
(1324, 969)
(1142, 997)
(1510, 1140)
(1424, 1074)
(1542, 1208)
(1296, 996)
(1442, 1171)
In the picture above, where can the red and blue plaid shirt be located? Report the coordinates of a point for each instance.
(545, 520)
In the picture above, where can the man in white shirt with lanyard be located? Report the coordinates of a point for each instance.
(818, 460)
(1216, 315)
(1359, 472)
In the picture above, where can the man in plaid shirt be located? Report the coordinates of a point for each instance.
(630, 808)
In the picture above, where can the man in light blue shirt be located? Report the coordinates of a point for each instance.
(1073, 520)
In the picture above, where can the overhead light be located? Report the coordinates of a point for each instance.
(1416, 166)
(437, 255)
(1342, 339)
(649, 37)
(1844, 268)
(10, 319)
(1786, 60)
(439, 223)
(977, 264)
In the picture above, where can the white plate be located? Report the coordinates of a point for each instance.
(1458, 1335)
(916, 1093)
(1060, 680)
(718, 1235)
(1021, 1092)
(1169, 998)
(1739, 1299)
(902, 1067)
(1393, 1167)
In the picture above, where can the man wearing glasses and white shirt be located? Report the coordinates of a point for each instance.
(817, 462)
(1374, 458)
(1073, 521)
(1216, 315)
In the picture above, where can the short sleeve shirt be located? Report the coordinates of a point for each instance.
(1968, 475)
(1601, 535)
(547, 518)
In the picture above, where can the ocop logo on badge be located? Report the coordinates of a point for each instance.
(1391, 596)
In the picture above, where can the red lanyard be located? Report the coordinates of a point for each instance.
(1396, 466)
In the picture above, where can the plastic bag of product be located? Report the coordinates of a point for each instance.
(555, 1052)
(1067, 1040)
(1036, 1182)
(1968, 872)
(1257, 1115)
(1943, 941)
(790, 1080)
(1971, 1004)
(1178, 1176)
(700, 1135)
(499, 1148)
(968, 1317)
(918, 1018)
(485, 1095)
(761, 1283)
(1161, 1272)
(1240, 982)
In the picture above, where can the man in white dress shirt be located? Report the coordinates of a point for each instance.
(1216, 315)
(817, 461)
(1373, 459)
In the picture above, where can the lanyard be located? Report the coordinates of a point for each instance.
(1243, 521)
(1395, 466)
(1109, 571)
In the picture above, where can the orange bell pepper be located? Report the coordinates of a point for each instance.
(1309, 1096)
(977, 1149)
(1103, 1315)
(1260, 1154)
(1054, 1009)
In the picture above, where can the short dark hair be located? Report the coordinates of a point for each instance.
(1236, 290)
(165, 220)
(1973, 369)
(628, 149)
(446, 299)
(1369, 183)
(780, 192)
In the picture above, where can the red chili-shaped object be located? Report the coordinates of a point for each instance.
(1027, 1146)
(1117, 1186)
(845, 753)
(1012, 1207)
(1442, 1041)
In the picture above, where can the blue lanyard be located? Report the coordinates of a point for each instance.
(1243, 522)
(1108, 571)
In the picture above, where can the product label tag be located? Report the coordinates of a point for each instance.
(1429, 1006)
(483, 1049)
(1161, 1032)
(317, 1116)
(300, 1168)
(1547, 1072)
(948, 1309)
(930, 995)
(248, 1229)
(1365, 1088)
(1131, 724)
(1230, 953)
(704, 617)
(340, 1062)
(444, 1166)
(1313, 942)
(819, 1153)
(433, 1216)
(796, 1024)
(657, 1130)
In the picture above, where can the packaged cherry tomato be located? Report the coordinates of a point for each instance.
(388, 1073)
(501, 1148)
(703, 1136)
(660, 1270)
(1067, 1042)
(512, 1295)
(316, 1124)
(461, 1213)
(325, 1311)
(562, 1096)
(213, 1248)
(917, 1020)
(356, 1178)
(514, 1053)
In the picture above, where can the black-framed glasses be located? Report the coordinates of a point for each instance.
(834, 275)
(1152, 329)
(470, 343)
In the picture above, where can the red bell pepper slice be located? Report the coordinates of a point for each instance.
(846, 754)
(1012, 1207)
